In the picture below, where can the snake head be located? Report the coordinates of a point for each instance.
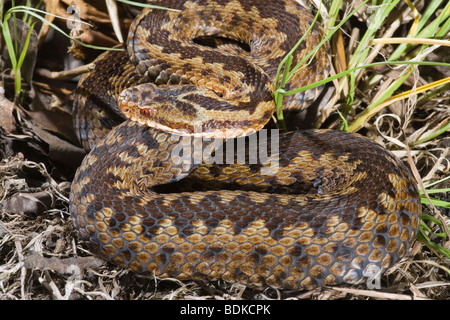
(188, 110)
(161, 107)
(134, 103)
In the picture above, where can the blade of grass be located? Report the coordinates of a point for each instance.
(437, 249)
(22, 57)
(8, 40)
(429, 217)
(427, 28)
(437, 182)
(286, 63)
(412, 41)
(428, 229)
(333, 15)
(279, 91)
(13, 50)
(144, 5)
(383, 101)
(432, 191)
(437, 202)
(376, 21)
(16, 45)
(313, 52)
(31, 11)
(443, 127)
(346, 72)
(289, 56)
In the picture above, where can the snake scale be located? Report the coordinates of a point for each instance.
(338, 209)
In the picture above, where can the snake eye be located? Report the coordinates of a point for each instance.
(145, 113)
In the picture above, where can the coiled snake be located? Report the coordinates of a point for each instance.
(337, 208)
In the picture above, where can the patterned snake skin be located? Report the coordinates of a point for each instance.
(338, 208)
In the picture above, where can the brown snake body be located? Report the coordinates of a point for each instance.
(338, 209)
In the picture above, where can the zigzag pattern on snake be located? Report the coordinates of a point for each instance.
(338, 208)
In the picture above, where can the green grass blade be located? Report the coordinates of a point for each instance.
(436, 182)
(32, 11)
(433, 191)
(289, 55)
(144, 5)
(427, 29)
(279, 87)
(436, 202)
(442, 129)
(346, 72)
(8, 40)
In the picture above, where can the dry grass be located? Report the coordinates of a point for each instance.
(40, 257)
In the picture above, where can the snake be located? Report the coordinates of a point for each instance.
(172, 185)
